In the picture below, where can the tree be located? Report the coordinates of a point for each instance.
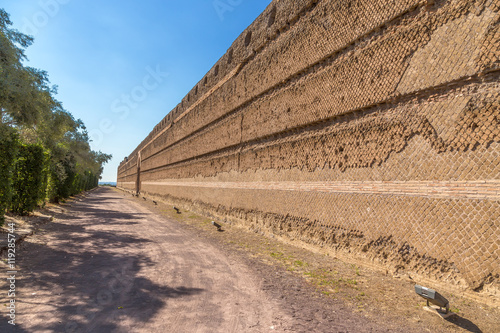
(25, 96)
(55, 159)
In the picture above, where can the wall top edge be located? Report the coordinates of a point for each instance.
(278, 14)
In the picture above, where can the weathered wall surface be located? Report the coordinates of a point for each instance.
(369, 128)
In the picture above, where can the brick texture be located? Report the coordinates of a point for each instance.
(367, 128)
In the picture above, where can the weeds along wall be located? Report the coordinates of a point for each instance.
(369, 129)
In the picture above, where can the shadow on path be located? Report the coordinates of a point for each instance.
(87, 276)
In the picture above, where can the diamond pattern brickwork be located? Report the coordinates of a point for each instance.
(370, 128)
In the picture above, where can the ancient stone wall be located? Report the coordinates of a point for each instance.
(364, 128)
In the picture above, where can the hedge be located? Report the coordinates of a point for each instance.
(29, 179)
(84, 182)
(62, 177)
(9, 143)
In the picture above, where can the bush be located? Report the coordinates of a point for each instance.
(62, 178)
(83, 182)
(44, 188)
(28, 180)
(8, 150)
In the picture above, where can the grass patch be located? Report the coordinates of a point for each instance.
(299, 263)
(360, 296)
(277, 255)
(350, 281)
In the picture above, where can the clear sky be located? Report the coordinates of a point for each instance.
(98, 52)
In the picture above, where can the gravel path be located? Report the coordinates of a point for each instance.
(109, 264)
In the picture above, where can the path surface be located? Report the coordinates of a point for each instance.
(109, 264)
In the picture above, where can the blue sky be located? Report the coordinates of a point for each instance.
(100, 52)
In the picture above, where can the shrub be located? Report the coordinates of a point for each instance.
(28, 180)
(8, 151)
(44, 188)
(62, 177)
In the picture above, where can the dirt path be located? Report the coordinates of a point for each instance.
(109, 264)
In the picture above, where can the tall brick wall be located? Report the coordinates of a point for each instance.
(364, 128)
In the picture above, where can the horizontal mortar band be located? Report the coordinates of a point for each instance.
(485, 189)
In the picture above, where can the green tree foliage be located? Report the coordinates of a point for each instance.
(55, 160)
(25, 94)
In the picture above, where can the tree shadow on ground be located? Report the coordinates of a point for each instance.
(87, 279)
(88, 208)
